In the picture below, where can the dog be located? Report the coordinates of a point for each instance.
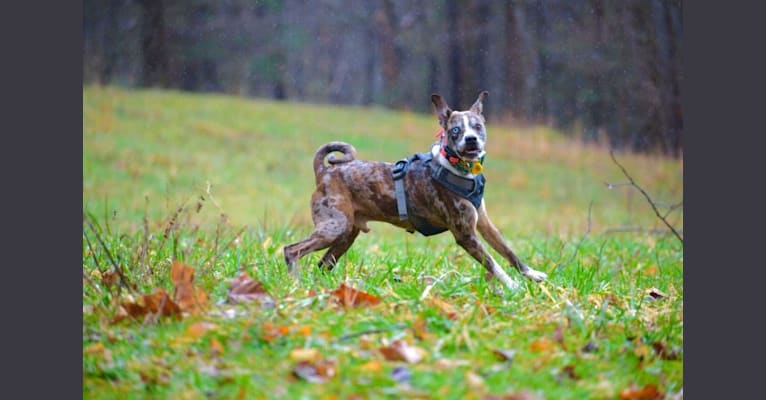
(430, 192)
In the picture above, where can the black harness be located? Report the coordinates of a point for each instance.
(470, 189)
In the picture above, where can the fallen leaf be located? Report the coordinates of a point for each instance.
(514, 396)
(504, 355)
(158, 303)
(304, 354)
(648, 392)
(372, 366)
(98, 349)
(590, 347)
(662, 350)
(216, 349)
(569, 372)
(315, 372)
(447, 364)
(189, 298)
(399, 350)
(401, 374)
(198, 329)
(350, 297)
(420, 328)
(447, 309)
(540, 345)
(558, 335)
(245, 289)
(109, 278)
(655, 293)
(475, 381)
(650, 271)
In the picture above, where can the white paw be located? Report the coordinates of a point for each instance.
(534, 275)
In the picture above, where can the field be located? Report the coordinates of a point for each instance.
(175, 181)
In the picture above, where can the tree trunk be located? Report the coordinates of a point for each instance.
(153, 44)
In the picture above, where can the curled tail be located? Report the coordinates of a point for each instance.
(349, 154)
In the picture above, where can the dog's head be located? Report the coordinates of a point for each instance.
(464, 130)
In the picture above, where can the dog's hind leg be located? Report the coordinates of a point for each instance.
(492, 235)
(325, 234)
(337, 249)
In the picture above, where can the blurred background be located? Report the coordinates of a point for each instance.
(597, 70)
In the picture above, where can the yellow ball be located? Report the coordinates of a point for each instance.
(476, 168)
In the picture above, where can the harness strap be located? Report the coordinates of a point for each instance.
(400, 168)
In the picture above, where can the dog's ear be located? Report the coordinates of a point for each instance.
(478, 106)
(441, 109)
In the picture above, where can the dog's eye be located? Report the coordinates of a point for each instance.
(455, 130)
(477, 127)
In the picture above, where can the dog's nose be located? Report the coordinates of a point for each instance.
(470, 139)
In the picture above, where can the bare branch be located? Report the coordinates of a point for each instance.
(649, 199)
(620, 229)
(123, 280)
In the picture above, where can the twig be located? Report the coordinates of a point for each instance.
(218, 253)
(582, 238)
(123, 280)
(649, 199)
(87, 278)
(371, 331)
(620, 229)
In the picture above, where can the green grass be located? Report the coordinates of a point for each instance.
(148, 152)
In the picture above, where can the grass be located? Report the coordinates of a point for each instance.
(590, 331)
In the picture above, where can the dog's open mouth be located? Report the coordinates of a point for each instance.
(472, 153)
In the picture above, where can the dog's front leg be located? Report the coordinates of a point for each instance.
(495, 239)
(470, 242)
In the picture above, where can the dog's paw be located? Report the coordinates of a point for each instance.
(535, 275)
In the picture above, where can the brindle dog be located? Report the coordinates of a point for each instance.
(351, 192)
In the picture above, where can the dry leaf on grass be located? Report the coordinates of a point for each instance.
(245, 289)
(662, 350)
(648, 392)
(655, 293)
(447, 309)
(198, 329)
(159, 304)
(350, 297)
(540, 345)
(400, 350)
(304, 354)
(504, 355)
(401, 374)
(316, 372)
(189, 298)
(513, 396)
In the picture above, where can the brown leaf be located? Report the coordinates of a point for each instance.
(447, 309)
(109, 278)
(655, 293)
(558, 335)
(198, 329)
(350, 297)
(304, 354)
(662, 350)
(245, 289)
(648, 392)
(316, 372)
(540, 345)
(569, 372)
(400, 350)
(420, 328)
(189, 298)
(504, 355)
(513, 396)
(216, 348)
(158, 303)
(475, 381)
